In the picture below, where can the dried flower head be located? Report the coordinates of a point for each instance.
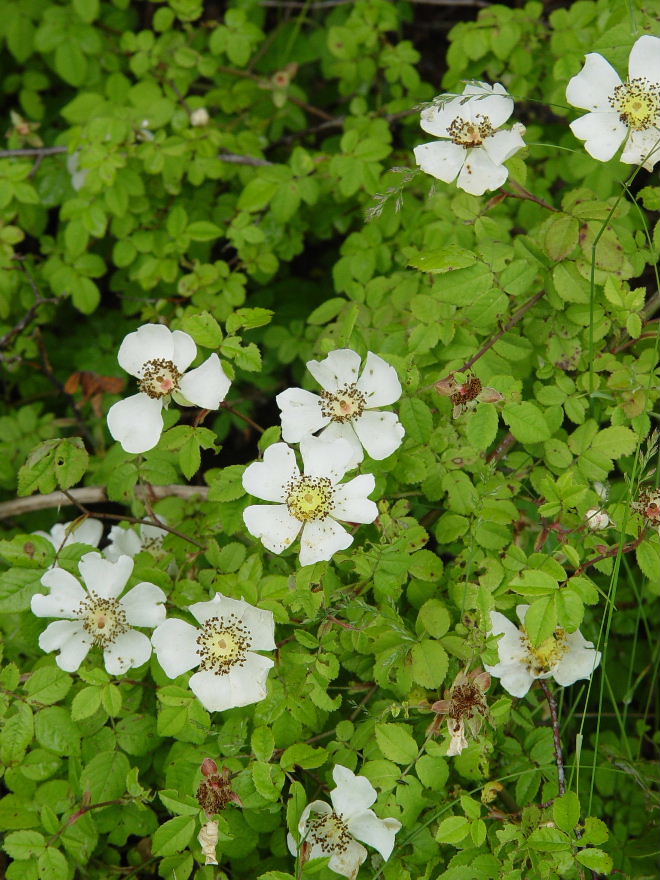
(465, 392)
(215, 791)
(648, 504)
(465, 705)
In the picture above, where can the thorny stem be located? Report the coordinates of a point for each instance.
(607, 554)
(93, 495)
(556, 735)
(135, 520)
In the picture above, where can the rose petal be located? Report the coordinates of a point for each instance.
(441, 159)
(593, 86)
(338, 369)
(381, 433)
(103, 577)
(321, 539)
(267, 479)
(130, 649)
(149, 342)
(175, 644)
(300, 414)
(136, 422)
(275, 527)
(143, 605)
(207, 385)
(350, 502)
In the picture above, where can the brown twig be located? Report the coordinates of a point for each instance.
(556, 735)
(32, 151)
(502, 447)
(31, 313)
(235, 159)
(607, 554)
(93, 495)
(242, 416)
(331, 4)
(526, 195)
(117, 517)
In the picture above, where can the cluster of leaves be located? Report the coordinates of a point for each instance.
(249, 233)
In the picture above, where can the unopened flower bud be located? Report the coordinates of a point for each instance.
(200, 117)
(209, 767)
(596, 519)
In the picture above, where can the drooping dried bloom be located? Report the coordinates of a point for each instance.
(466, 393)
(208, 840)
(215, 791)
(464, 706)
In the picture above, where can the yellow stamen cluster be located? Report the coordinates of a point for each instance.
(330, 832)
(638, 103)
(470, 133)
(543, 658)
(159, 377)
(309, 498)
(103, 619)
(343, 405)
(223, 644)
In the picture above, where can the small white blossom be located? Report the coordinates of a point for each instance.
(159, 358)
(78, 174)
(597, 519)
(312, 502)
(473, 146)
(333, 830)
(78, 531)
(199, 117)
(620, 111)
(566, 657)
(97, 615)
(347, 405)
(128, 542)
(231, 673)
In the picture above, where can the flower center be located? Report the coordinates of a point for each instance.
(638, 103)
(330, 832)
(544, 657)
(103, 619)
(223, 643)
(469, 390)
(470, 132)
(309, 498)
(466, 699)
(159, 377)
(344, 405)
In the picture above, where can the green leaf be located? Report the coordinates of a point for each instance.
(452, 830)
(481, 426)
(53, 463)
(248, 319)
(526, 422)
(268, 780)
(303, 755)
(16, 734)
(595, 831)
(52, 865)
(70, 63)
(85, 703)
(548, 840)
(429, 663)
(88, 10)
(54, 730)
(595, 860)
(434, 617)
(173, 836)
(228, 485)
(48, 684)
(416, 419)
(326, 311)
(396, 743)
(181, 805)
(24, 844)
(111, 699)
(263, 743)
(425, 565)
(566, 812)
(203, 230)
(294, 806)
(561, 236)
(105, 776)
(615, 442)
(541, 620)
(204, 329)
(444, 259)
(432, 772)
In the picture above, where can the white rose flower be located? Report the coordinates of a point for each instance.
(128, 542)
(334, 829)
(346, 407)
(312, 502)
(566, 657)
(474, 147)
(97, 615)
(159, 358)
(77, 531)
(231, 673)
(620, 111)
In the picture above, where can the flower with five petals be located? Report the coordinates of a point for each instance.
(473, 146)
(98, 615)
(346, 408)
(159, 358)
(311, 502)
(620, 111)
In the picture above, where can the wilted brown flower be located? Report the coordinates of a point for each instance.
(215, 791)
(466, 392)
(464, 706)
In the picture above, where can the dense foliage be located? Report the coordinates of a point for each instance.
(244, 172)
